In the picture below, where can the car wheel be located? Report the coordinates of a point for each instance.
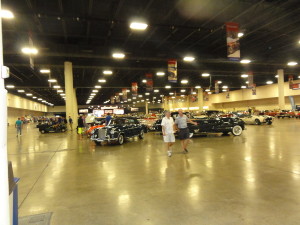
(269, 122)
(257, 121)
(43, 131)
(141, 135)
(237, 130)
(63, 130)
(120, 140)
(98, 143)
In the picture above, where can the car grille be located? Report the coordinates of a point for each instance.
(102, 134)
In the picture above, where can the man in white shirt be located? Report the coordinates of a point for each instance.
(168, 130)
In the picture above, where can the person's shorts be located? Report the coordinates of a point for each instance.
(184, 134)
(80, 130)
(169, 138)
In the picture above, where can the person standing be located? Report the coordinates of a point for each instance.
(80, 126)
(71, 122)
(19, 125)
(168, 130)
(183, 130)
(107, 119)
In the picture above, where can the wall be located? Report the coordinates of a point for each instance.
(14, 113)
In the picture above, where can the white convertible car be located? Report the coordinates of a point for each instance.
(257, 119)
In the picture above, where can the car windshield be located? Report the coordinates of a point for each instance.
(117, 122)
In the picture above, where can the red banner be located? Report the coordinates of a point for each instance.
(296, 86)
(233, 43)
(193, 96)
(291, 81)
(149, 82)
(124, 92)
(172, 70)
(134, 89)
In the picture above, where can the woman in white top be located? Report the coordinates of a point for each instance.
(168, 130)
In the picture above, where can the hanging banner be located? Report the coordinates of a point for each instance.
(217, 90)
(31, 62)
(205, 96)
(233, 43)
(134, 89)
(124, 92)
(149, 82)
(193, 96)
(117, 98)
(250, 79)
(227, 94)
(172, 71)
(112, 100)
(291, 81)
(254, 89)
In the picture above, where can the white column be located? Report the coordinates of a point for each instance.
(71, 102)
(146, 106)
(281, 98)
(4, 198)
(200, 99)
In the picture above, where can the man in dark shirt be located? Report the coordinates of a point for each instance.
(80, 126)
(71, 122)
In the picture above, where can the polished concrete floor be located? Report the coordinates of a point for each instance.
(224, 180)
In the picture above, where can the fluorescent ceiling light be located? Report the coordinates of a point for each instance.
(28, 94)
(43, 101)
(168, 86)
(277, 76)
(244, 75)
(147, 93)
(56, 86)
(140, 96)
(97, 86)
(197, 87)
(127, 90)
(62, 94)
(160, 73)
(243, 87)
(6, 14)
(207, 90)
(184, 81)
(40, 99)
(205, 74)
(209, 93)
(194, 93)
(240, 34)
(10, 86)
(245, 61)
(144, 81)
(189, 58)
(182, 95)
(138, 26)
(118, 55)
(107, 72)
(171, 93)
(60, 91)
(269, 82)
(52, 80)
(224, 87)
(93, 94)
(95, 91)
(182, 90)
(102, 81)
(34, 97)
(292, 63)
(173, 96)
(21, 91)
(224, 90)
(247, 82)
(156, 91)
(29, 51)
(45, 71)
(219, 82)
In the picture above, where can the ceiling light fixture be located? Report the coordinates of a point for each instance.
(29, 51)
(101, 80)
(245, 61)
(138, 26)
(207, 90)
(97, 86)
(224, 87)
(56, 86)
(189, 58)
(156, 90)
(10, 86)
(118, 55)
(240, 34)
(45, 71)
(197, 87)
(144, 81)
(107, 72)
(95, 91)
(52, 80)
(168, 86)
(147, 93)
(6, 14)
(60, 91)
(276, 76)
(160, 73)
(184, 81)
(243, 87)
(34, 97)
(219, 82)
(21, 91)
(93, 94)
(205, 75)
(28, 94)
(269, 82)
(292, 63)
(244, 75)
(182, 90)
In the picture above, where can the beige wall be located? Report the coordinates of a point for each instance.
(14, 113)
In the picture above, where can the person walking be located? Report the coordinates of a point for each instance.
(168, 130)
(107, 119)
(183, 130)
(19, 125)
(80, 126)
(71, 122)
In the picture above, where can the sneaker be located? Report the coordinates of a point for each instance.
(169, 153)
(191, 135)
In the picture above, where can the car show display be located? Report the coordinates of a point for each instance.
(56, 128)
(257, 119)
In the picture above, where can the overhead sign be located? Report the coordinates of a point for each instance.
(291, 81)
(134, 89)
(172, 70)
(250, 79)
(233, 43)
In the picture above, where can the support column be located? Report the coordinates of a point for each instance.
(200, 99)
(146, 106)
(4, 192)
(71, 102)
(281, 98)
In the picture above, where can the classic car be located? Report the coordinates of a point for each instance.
(257, 119)
(118, 130)
(212, 125)
(147, 124)
(285, 114)
(45, 128)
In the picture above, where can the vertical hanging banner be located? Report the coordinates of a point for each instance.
(172, 71)
(233, 43)
(193, 96)
(149, 82)
(217, 90)
(250, 79)
(205, 96)
(112, 100)
(134, 89)
(124, 92)
(291, 81)
(31, 46)
(254, 89)
(117, 98)
(227, 94)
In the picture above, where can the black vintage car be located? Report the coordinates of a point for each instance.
(118, 130)
(45, 128)
(211, 125)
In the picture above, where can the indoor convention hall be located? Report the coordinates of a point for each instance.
(149, 112)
